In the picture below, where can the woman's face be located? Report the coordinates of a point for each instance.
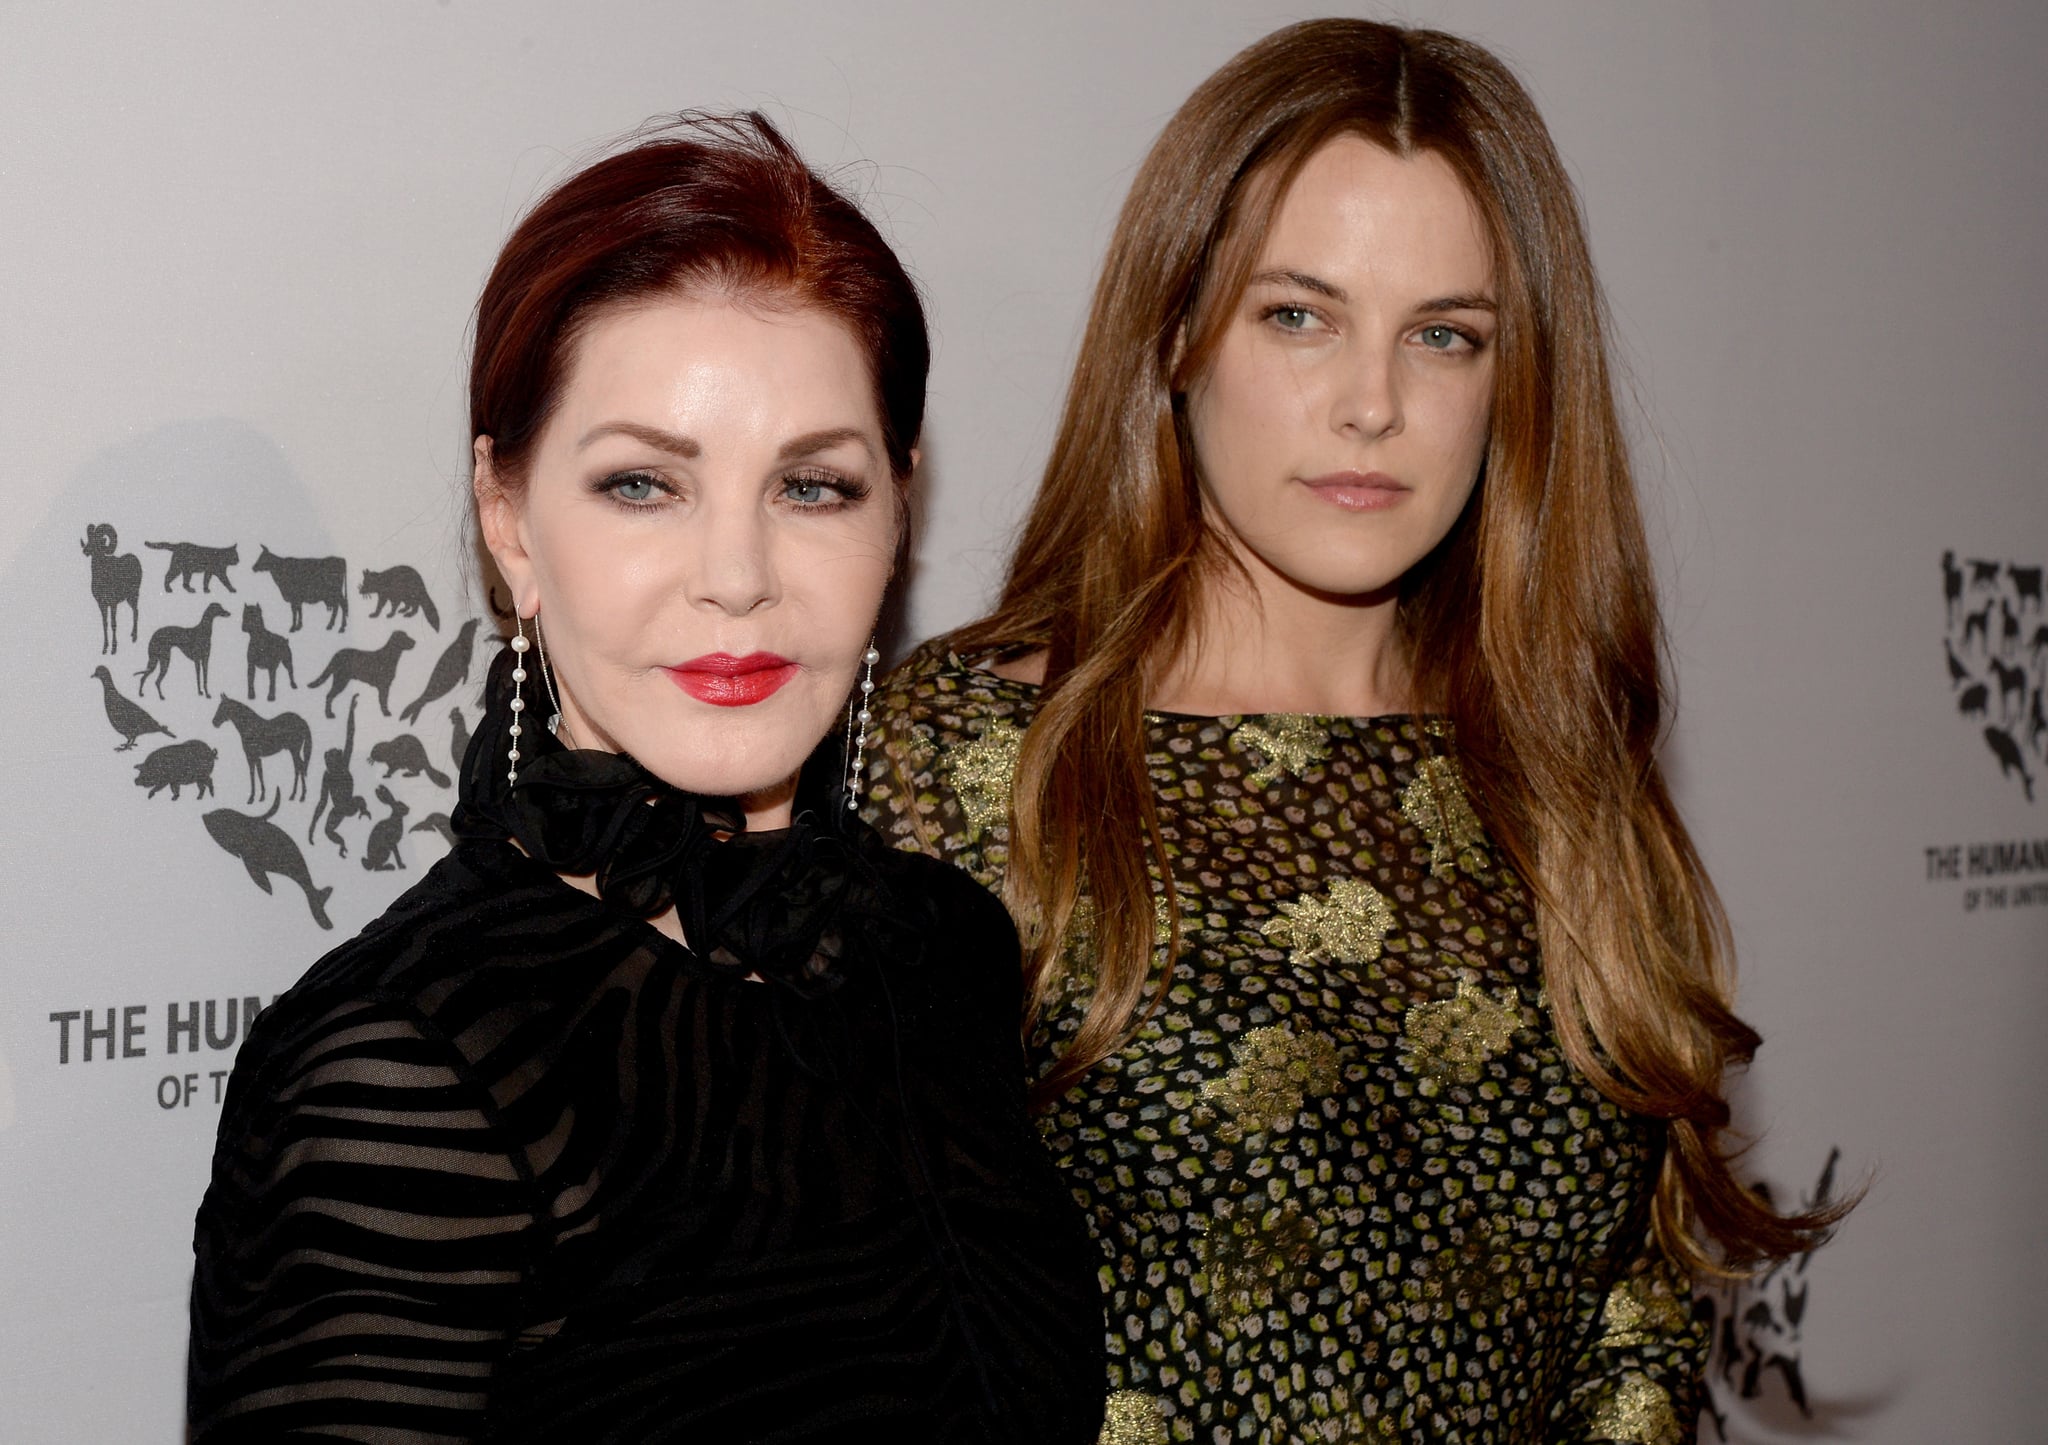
(705, 531)
(1340, 428)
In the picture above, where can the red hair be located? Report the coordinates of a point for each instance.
(722, 203)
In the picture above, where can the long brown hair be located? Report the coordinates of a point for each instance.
(1533, 627)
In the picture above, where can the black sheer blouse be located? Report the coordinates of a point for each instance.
(513, 1165)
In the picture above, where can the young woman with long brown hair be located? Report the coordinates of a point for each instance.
(1380, 1001)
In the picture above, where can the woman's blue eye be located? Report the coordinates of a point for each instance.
(1293, 318)
(806, 491)
(634, 489)
(1440, 338)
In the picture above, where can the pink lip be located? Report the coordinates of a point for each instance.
(1357, 491)
(723, 680)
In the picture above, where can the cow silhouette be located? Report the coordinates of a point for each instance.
(264, 849)
(261, 736)
(2026, 584)
(196, 642)
(304, 581)
(2005, 747)
(116, 578)
(176, 766)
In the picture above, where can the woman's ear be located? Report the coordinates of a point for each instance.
(501, 518)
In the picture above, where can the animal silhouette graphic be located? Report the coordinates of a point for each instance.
(2012, 686)
(338, 797)
(2038, 643)
(458, 738)
(374, 670)
(400, 590)
(128, 718)
(1979, 622)
(261, 736)
(1957, 673)
(304, 581)
(435, 823)
(451, 670)
(2005, 747)
(116, 578)
(408, 755)
(210, 564)
(1975, 701)
(380, 854)
(268, 651)
(2008, 628)
(177, 766)
(263, 848)
(1984, 574)
(2036, 723)
(2026, 584)
(1951, 585)
(196, 642)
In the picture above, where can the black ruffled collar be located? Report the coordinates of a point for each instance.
(783, 904)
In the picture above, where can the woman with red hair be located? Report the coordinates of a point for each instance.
(671, 1104)
(1380, 1004)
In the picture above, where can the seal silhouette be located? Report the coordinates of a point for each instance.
(263, 848)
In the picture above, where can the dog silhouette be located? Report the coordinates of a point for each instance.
(286, 733)
(1979, 622)
(263, 848)
(128, 718)
(451, 670)
(374, 670)
(268, 651)
(400, 590)
(196, 642)
(338, 796)
(2026, 582)
(380, 854)
(2011, 681)
(1975, 701)
(209, 563)
(408, 755)
(116, 578)
(2010, 760)
(175, 766)
(321, 581)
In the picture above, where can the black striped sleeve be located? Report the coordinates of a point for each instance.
(363, 1248)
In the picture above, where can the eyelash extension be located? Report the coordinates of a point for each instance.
(609, 486)
(850, 489)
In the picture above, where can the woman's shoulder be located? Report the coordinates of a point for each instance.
(948, 698)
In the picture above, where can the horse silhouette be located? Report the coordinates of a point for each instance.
(261, 736)
(263, 848)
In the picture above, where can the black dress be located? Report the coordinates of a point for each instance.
(512, 1165)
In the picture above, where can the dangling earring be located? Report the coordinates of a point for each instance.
(547, 678)
(863, 717)
(519, 646)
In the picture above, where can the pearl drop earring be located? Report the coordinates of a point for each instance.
(863, 717)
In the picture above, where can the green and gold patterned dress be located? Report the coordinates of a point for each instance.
(1346, 1185)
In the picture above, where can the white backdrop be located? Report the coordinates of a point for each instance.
(239, 245)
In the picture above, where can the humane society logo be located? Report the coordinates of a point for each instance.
(1997, 650)
(249, 653)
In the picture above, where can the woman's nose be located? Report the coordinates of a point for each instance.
(734, 568)
(1368, 396)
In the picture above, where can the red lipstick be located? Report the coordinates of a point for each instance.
(1357, 491)
(723, 680)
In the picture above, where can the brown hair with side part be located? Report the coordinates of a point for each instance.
(1533, 627)
(698, 203)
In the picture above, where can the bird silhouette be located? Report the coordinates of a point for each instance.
(458, 739)
(129, 720)
(451, 670)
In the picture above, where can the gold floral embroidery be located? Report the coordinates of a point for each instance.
(1642, 1310)
(1348, 922)
(1288, 744)
(1436, 803)
(1276, 1070)
(982, 772)
(1252, 1255)
(1448, 1039)
(1636, 1411)
(1130, 1418)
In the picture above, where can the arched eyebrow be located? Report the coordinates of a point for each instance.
(688, 448)
(1302, 280)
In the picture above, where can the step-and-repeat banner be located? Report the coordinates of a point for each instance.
(244, 637)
